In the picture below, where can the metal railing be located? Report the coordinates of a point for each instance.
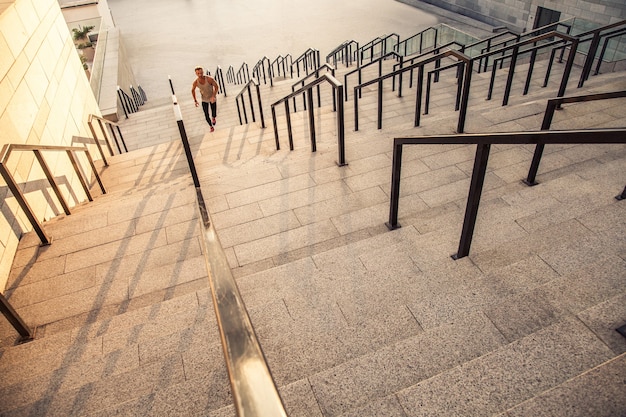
(378, 47)
(243, 74)
(338, 92)
(535, 45)
(283, 62)
(466, 68)
(484, 142)
(129, 105)
(552, 106)
(346, 53)
(253, 389)
(259, 71)
(6, 309)
(595, 37)
(378, 61)
(219, 79)
(112, 128)
(310, 59)
(241, 98)
(38, 151)
(230, 75)
(303, 81)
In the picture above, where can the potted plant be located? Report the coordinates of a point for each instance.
(81, 40)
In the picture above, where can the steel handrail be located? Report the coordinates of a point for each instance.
(551, 107)
(261, 64)
(338, 91)
(303, 81)
(310, 60)
(5, 307)
(346, 52)
(375, 42)
(467, 71)
(595, 37)
(111, 126)
(572, 40)
(247, 87)
(484, 142)
(280, 60)
(378, 61)
(253, 388)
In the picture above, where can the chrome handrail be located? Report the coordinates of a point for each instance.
(253, 388)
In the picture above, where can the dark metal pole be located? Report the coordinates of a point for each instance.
(15, 319)
(396, 168)
(473, 199)
(341, 128)
(311, 119)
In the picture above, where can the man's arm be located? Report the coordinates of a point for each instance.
(193, 92)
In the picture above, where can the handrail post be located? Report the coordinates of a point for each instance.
(81, 179)
(21, 200)
(509, 79)
(545, 125)
(341, 145)
(467, 79)
(418, 95)
(473, 199)
(273, 109)
(396, 168)
(311, 119)
(380, 104)
(16, 321)
(185, 140)
(289, 129)
(593, 48)
(52, 181)
(95, 138)
(568, 68)
(258, 95)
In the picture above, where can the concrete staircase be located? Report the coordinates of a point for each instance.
(354, 320)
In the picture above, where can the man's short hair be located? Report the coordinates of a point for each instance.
(198, 68)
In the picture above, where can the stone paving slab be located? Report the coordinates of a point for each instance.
(488, 384)
(598, 392)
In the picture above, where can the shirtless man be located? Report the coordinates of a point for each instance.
(208, 91)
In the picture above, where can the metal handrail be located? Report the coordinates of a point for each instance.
(484, 142)
(420, 36)
(240, 96)
(346, 53)
(230, 74)
(310, 60)
(338, 91)
(6, 152)
(243, 74)
(111, 126)
(128, 104)
(515, 48)
(280, 61)
(378, 61)
(253, 388)
(418, 104)
(594, 37)
(261, 72)
(6, 309)
(370, 46)
(552, 106)
(304, 80)
(219, 79)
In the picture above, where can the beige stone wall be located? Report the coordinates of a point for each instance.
(45, 99)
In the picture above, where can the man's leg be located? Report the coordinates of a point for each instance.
(205, 108)
(214, 110)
